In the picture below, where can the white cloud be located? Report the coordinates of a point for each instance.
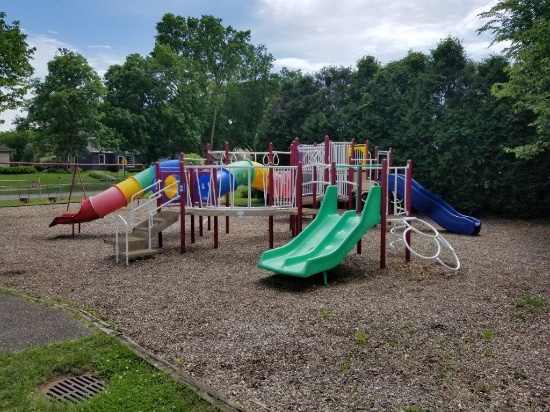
(99, 46)
(339, 32)
(294, 63)
(46, 49)
(9, 116)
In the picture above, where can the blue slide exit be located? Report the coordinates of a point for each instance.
(436, 209)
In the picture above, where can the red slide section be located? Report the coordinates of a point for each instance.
(93, 208)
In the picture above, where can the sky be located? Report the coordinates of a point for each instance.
(300, 34)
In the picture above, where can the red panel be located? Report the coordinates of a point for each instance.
(108, 201)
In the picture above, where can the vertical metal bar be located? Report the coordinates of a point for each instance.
(159, 200)
(327, 158)
(270, 193)
(299, 199)
(191, 188)
(376, 160)
(183, 198)
(408, 204)
(358, 202)
(294, 159)
(383, 213)
(350, 176)
(215, 203)
(227, 196)
(368, 172)
(209, 163)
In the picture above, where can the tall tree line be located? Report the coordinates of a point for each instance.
(437, 109)
(477, 132)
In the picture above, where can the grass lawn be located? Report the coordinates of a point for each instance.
(49, 184)
(44, 201)
(131, 383)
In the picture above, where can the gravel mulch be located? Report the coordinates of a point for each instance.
(412, 335)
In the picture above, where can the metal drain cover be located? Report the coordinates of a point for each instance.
(74, 389)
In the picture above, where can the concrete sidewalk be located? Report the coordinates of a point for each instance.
(25, 324)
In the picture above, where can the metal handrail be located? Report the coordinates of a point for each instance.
(150, 213)
(117, 247)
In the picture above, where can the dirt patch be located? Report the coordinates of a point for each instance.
(410, 335)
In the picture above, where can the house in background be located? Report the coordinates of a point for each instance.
(94, 159)
(5, 156)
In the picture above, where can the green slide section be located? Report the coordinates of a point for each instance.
(326, 241)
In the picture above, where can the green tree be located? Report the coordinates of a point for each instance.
(309, 107)
(246, 101)
(65, 111)
(15, 68)
(154, 104)
(288, 111)
(223, 54)
(21, 142)
(526, 25)
(396, 107)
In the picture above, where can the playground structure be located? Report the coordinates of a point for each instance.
(333, 173)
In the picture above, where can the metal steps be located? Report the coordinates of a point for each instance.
(138, 242)
(161, 221)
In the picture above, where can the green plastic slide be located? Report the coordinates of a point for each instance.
(326, 241)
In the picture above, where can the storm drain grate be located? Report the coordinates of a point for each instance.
(74, 389)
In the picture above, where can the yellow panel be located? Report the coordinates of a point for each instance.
(260, 176)
(172, 191)
(361, 148)
(129, 187)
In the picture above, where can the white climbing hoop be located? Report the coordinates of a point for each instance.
(440, 242)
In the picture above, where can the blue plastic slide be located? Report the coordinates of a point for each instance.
(436, 209)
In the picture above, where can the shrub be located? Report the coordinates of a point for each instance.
(193, 159)
(100, 175)
(56, 170)
(18, 170)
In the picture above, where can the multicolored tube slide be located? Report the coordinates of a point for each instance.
(228, 179)
(120, 195)
(111, 199)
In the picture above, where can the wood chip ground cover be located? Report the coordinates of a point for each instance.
(411, 335)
